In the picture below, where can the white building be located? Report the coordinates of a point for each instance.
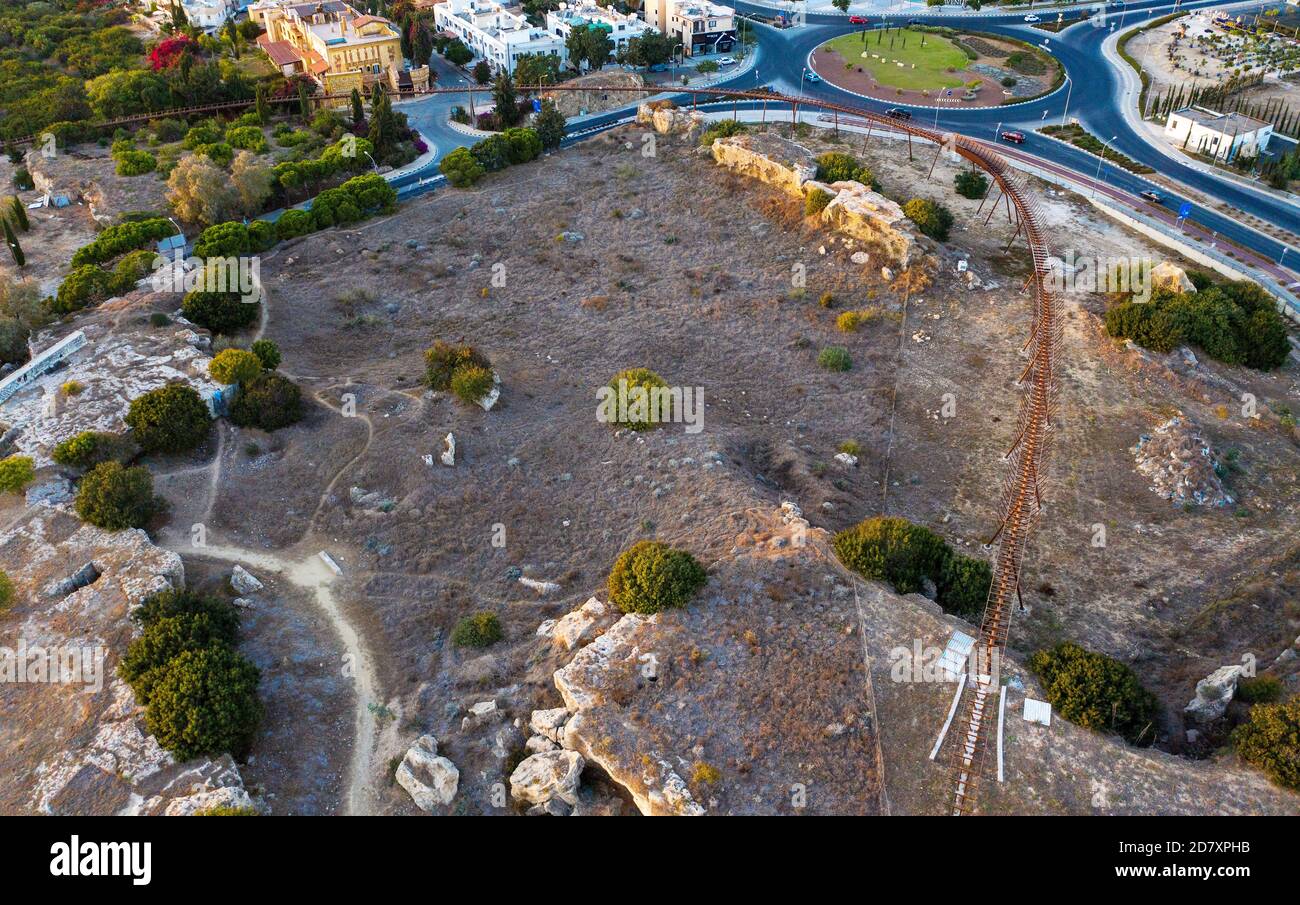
(701, 26)
(494, 33)
(621, 27)
(1225, 136)
(210, 14)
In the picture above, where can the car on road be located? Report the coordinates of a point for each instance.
(1032, 18)
(1012, 136)
(857, 20)
(726, 61)
(898, 113)
(1152, 196)
(810, 76)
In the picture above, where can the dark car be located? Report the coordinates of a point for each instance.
(1015, 137)
(898, 113)
(1153, 197)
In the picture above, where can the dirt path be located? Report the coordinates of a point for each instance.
(312, 573)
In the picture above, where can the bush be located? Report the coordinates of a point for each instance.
(645, 409)
(124, 237)
(1096, 692)
(13, 341)
(134, 163)
(1261, 690)
(835, 358)
(114, 497)
(650, 576)
(234, 366)
(89, 448)
(218, 152)
(815, 202)
(723, 128)
(165, 638)
(523, 145)
(267, 352)
(223, 240)
(16, 472)
(963, 585)
(6, 591)
(461, 168)
(443, 359)
(1270, 740)
(292, 224)
(478, 630)
(269, 401)
(83, 286)
(971, 184)
(838, 167)
(249, 138)
(470, 383)
(934, 220)
(204, 702)
(220, 312)
(169, 419)
(893, 550)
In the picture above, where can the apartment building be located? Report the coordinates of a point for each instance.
(701, 26)
(494, 33)
(621, 27)
(331, 42)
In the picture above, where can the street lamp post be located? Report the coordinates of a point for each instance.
(1069, 82)
(1100, 161)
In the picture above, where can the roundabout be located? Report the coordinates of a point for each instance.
(928, 66)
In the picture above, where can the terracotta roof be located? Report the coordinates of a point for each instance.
(317, 65)
(282, 53)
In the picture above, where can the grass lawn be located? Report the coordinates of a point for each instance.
(931, 60)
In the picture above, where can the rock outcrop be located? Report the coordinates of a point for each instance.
(1213, 694)
(541, 778)
(666, 118)
(430, 779)
(853, 209)
(1168, 275)
(1180, 464)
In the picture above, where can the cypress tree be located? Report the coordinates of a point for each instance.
(358, 108)
(20, 215)
(14, 248)
(263, 108)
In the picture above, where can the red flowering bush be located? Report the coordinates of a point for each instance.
(169, 51)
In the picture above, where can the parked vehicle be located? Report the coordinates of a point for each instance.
(857, 20)
(1032, 18)
(1153, 197)
(726, 61)
(898, 113)
(1013, 137)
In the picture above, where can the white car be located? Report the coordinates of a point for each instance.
(1032, 18)
(726, 61)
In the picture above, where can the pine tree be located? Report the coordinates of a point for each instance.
(358, 109)
(20, 215)
(507, 106)
(263, 108)
(304, 102)
(14, 248)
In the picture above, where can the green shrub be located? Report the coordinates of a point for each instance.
(292, 224)
(443, 359)
(16, 472)
(218, 152)
(269, 401)
(89, 448)
(523, 145)
(934, 220)
(723, 128)
(169, 419)
(815, 202)
(267, 352)
(201, 134)
(649, 404)
(893, 550)
(837, 167)
(1270, 740)
(1096, 692)
(461, 168)
(220, 312)
(234, 366)
(124, 237)
(85, 285)
(248, 138)
(835, 358)
(184, 602)
(470, 383)
(1260, 690)
(963, 586)
(650, 576)
(223, 240)
(133, 268)
(205, 703)
(165, 638)
(971, 184)
(477, 630)
(135, 163)
(6, 591)
(114, 497)
(225, 810)
(13, 341)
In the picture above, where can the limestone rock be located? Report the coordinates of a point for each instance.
(1180, 464)
(549, 723)
(1168, 275)
(430, 779)
(667, 118)
(580, 626)
(1213, 694)
(540, 778)
(767, 158)
(448, 456)
(243, 583)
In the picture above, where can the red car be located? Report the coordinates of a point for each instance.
(857, 20)
(1016, 137)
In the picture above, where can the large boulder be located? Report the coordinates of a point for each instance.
(1168, 275)
(430, 779)
(668, 119)
(857, 211)
(767, 158)
(1213, 694)
(539, 778)
(578, 627)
